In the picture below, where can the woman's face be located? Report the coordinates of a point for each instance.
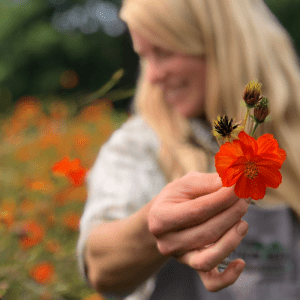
(180, 76)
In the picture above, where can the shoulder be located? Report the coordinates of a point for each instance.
(135, 131)
(134, 140)
(128, 158)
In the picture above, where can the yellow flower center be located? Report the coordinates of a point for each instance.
(251, 170)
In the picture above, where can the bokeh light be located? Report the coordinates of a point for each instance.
(90, 18)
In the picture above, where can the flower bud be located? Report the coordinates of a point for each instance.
(252, 93)
(261, 110)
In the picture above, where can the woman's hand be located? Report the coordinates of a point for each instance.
(197, 221)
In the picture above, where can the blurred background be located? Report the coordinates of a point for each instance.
(62, 47)
(72, 47)
(67, 76)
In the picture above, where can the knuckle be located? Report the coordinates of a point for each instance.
(232, 245)
(240, 210)
(190, 176)
(155, 225)
(165, 249)
(210, 236)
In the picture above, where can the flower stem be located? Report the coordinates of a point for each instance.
(246, 117)
(252, 133)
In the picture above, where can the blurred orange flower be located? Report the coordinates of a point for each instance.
(7, 212)
(71, 220)
(71, 169)
(251, 165)
(94, 296)
(69, 79)
(50, 220)
(39, 185)
(59, 110)
(27, 107)
(81, 140)
(27, 206)
(52, 246)
(31, 234)
(93, 112)
(42, 273)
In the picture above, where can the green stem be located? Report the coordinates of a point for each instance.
(246, 117)
(252, 133)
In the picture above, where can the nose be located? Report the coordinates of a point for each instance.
(155, 72)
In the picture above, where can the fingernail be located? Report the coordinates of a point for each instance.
(242, 228)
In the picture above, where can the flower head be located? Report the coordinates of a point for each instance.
(252, 93)
(261, 110)
(30, 234)
(42, 273)
(225, 129)
(71, 169)
(251, 165)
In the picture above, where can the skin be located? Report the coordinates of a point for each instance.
(193, 219)
(180, 76)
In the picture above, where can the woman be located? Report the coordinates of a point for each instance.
(157, 218)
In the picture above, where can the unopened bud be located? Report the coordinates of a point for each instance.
(261, 110)
(252, 93)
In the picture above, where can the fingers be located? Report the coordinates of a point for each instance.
(179, 242)
(205, 207)
(208, 258)
(215, 281)
(175, 210)
(195, 184)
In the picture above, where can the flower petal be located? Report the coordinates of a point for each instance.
(248, 141)
(232, 149)
(257, 188)
(241, 188)
(268, 160)
(228, 154)
(254, 188)
(282, 155)
(267, 144)
(222, 163)
(232, 174)
(272, 177)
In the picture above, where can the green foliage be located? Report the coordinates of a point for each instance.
(287, 12)
(34, 55)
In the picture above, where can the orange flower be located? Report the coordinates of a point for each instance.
(8, 211)
(71, 220)
(32, 234)
(52, 246)
(27, 107)
(42, 272)
(94, 296)
(71, 169)
(251, 165)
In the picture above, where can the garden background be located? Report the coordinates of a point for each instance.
(67, 76)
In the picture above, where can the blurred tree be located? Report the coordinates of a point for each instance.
(61, 47)
(72, 47)
(287, 12)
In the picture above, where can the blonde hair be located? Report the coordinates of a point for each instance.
(241, 40)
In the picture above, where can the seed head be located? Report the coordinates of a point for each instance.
(261, 110)
(225, 129)
(252, 93)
